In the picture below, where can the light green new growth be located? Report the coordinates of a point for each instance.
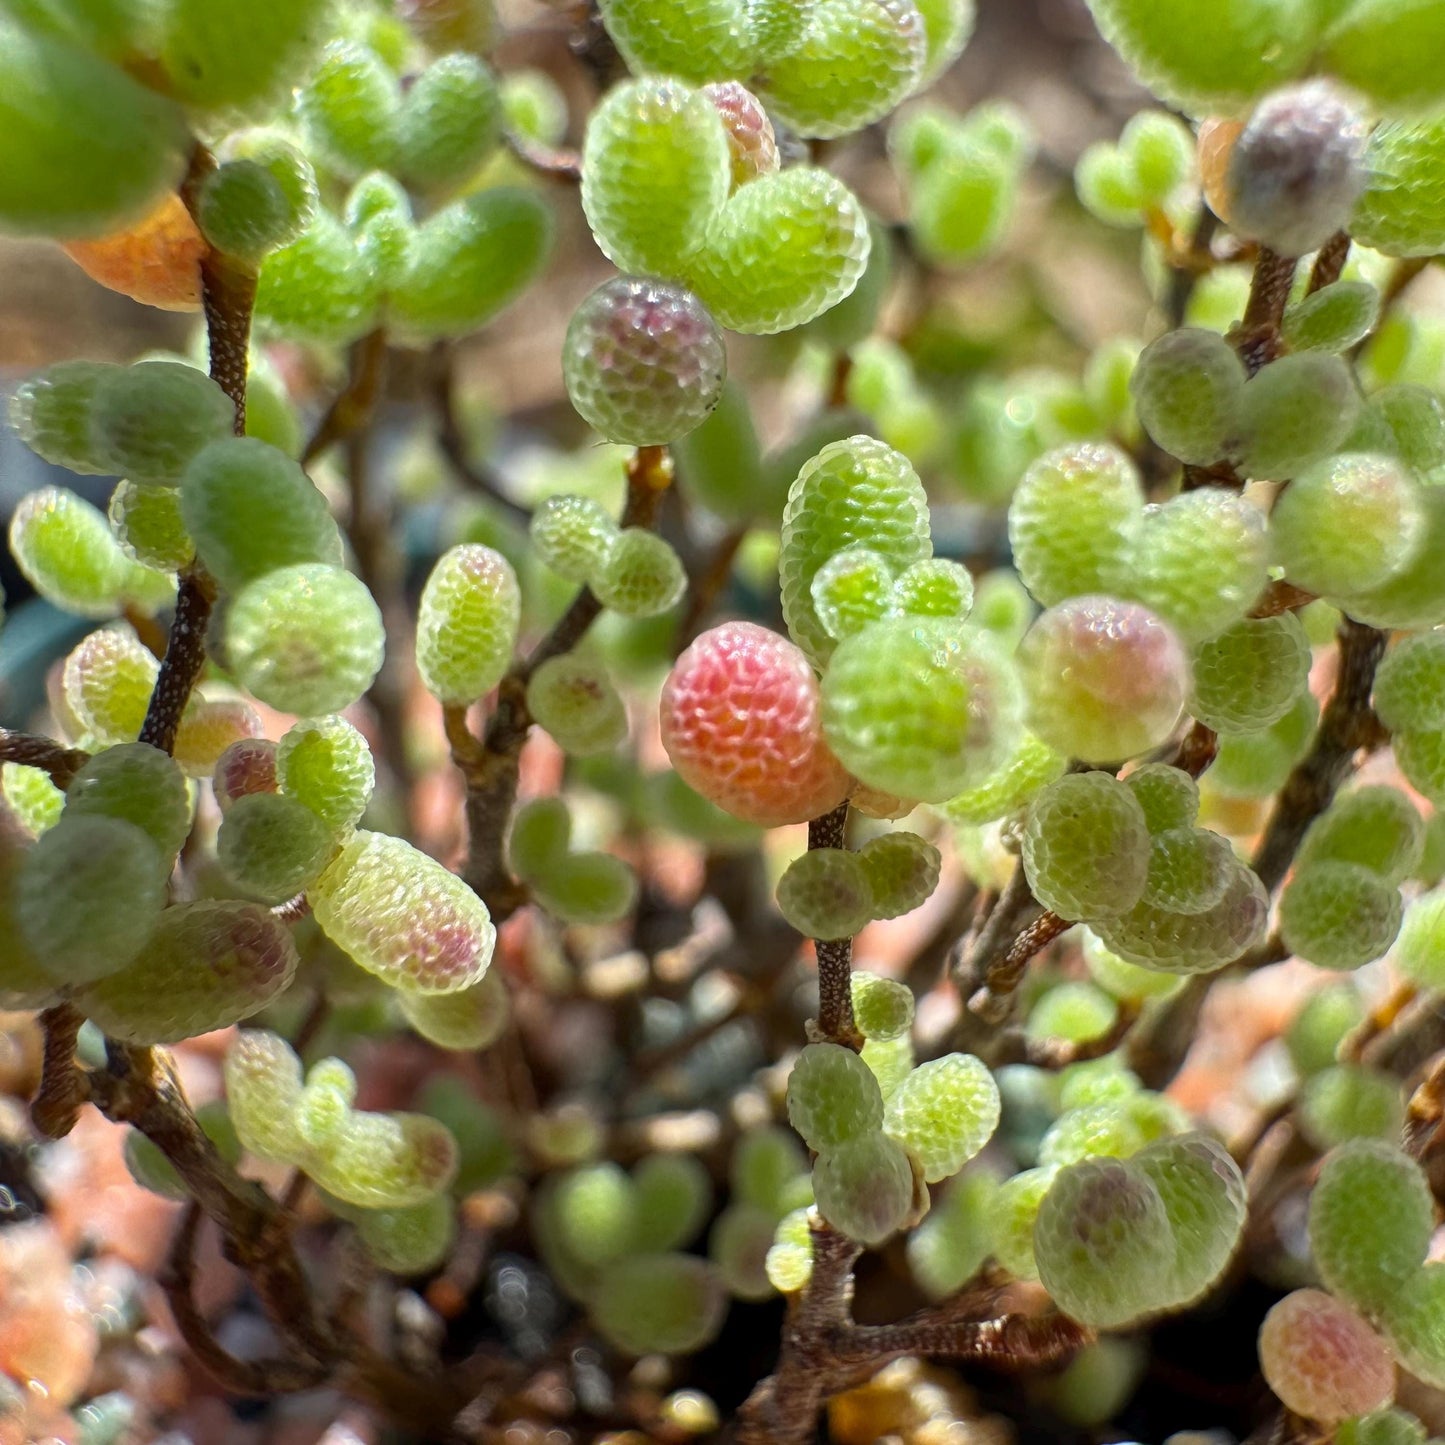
(854, 493)
(326, 764)
(943, 1113)
(833, 1097)
(467, 623)
(402, 916)
(306, 639)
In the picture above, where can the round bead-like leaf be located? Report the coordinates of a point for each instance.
(853, 63)
(1104, 679)
(641, 575)
(825, 894)
(205, 966)
(572, 535)
(326, 764)
(140, 784)
(740, 722)
(470, 261)
(1297, 168)
(1103, 1243)
(865, 1187)
(833, 1097)
(1339, 915)
(305, 639)
(402, 916)
(1074, 521)
(1371, 1218)
(574, 699)
(670, 1304)
(1086, 847)
(655, 173)
(643, 361)
(1202, 560)
(467, 625)
(920, 708)
(854, 493)
(943, 1113)
(902, 872)
(1188, 386)
(147, 421)
(472, 1019)
(272, 846)
(782, 251)
(87, 895)
(1251, 674)
(251, 510)
(1322, 1360)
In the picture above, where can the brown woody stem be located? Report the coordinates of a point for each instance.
(258, 1379)
(60, 762)
(1330, 262)
(185, 657)
(228, 293)
(824, 1352)
(453, 443)
(986, 961)
(139, 1087)
(1257, 338)
(835, 956)
(63, 1091)
(1346, 726)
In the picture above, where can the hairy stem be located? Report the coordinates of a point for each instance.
(825, 1352)
(1257, 338)
(185, 658)
(835, 956)
(1330, 262)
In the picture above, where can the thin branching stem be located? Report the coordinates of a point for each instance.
(1186, 269)
(60, 762)
(825, 1352)
(1346, 726)
(1330, 262)
(490, 765)
(228, 294)
(453, 443)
